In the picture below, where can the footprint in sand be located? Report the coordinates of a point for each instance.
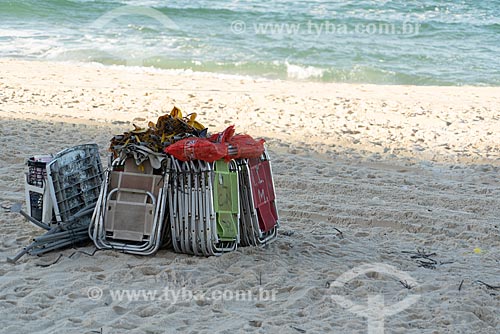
(119, 310)
(147, 312)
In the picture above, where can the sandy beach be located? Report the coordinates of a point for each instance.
(365, 174)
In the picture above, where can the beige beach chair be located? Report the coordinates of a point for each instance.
(132, 208)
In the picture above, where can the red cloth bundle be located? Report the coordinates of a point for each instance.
(197, 149)
(239, 146)
(245, 147)
(224, 136)
(220, 145)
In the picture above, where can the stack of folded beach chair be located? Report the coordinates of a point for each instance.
(167, 185)
(204, 207)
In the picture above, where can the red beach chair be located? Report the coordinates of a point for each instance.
(259, 218)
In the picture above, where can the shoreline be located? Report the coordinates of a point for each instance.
(222, 76)
(442, 124)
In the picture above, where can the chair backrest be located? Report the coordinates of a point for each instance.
(226, 204)
(74, 177)
(263, 193)
(131, 202)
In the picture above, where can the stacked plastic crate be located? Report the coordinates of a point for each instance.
(61, 192)
(38, 199)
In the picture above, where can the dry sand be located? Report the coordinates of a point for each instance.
(394, 168)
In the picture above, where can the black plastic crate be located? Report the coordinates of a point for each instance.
(37, 170)
(36, 204)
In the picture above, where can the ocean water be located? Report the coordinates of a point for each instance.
(426, 42)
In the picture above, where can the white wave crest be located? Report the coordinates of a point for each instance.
(303, 72)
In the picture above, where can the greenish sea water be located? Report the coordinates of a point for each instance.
(425, 42)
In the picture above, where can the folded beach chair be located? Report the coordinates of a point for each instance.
(130, 214)
(259, 215)
(204, 207)
(226, 203)
(73, 178)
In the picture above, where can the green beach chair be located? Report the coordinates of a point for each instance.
(226, 201)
